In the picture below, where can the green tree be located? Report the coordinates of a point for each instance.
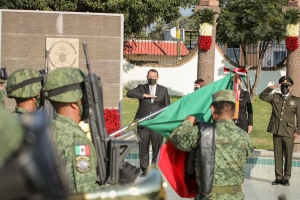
(137, 13)
(242, 23)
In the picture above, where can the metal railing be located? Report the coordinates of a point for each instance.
(274, 55)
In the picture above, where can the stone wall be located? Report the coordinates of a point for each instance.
(23, 43)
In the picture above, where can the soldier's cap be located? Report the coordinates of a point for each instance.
(224, 95)
(285, 80)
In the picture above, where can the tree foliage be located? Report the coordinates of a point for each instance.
(137, 13)
(242, 23)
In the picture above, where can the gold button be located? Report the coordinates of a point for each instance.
(282, 113)
(282, 107)
(280, 119)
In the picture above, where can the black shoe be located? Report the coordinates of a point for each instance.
(143, 174)
(285, 182)
(276, 182)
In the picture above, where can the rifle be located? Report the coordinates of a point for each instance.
(44, 102)
(110, 151)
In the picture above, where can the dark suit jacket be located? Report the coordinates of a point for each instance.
(282, 120)
(245, 109)
(145, 106)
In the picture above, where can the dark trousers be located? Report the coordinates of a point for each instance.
(146, 136)
(283, 146)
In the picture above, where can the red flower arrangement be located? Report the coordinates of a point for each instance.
(205, 42)
(291, 43)
(112, 121)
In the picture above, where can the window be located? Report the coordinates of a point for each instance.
(233, 54)
(278, 56)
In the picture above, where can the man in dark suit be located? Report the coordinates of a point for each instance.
(282, 124)
(152, 97)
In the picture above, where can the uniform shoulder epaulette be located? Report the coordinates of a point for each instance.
(296, 97)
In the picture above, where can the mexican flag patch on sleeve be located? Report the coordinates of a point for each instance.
(82, 150)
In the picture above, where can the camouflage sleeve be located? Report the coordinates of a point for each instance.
(266, 96)
(185, 136)
(250, 147)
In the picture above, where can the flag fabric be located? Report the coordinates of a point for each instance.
(171, 161)
(196, 104)
(82, 150)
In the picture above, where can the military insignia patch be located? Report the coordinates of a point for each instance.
(83, 164)
(292, 103)
(82, 150)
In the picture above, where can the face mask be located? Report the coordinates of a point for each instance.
(284, 89)
(84, 109)
(37, 102)
(151, 81)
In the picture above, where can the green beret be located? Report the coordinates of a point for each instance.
(224, 95)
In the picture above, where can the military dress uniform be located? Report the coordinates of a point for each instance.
(77, 152)
(283, 126)
(233, 146)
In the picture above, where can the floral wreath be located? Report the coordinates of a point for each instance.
(206, 19)
(292, 30)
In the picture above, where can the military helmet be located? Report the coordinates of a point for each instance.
(3, 75)
(24, 83)
(64, 84)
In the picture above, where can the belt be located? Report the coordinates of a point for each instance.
(231, 189)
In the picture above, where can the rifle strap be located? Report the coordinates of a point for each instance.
(24, 83)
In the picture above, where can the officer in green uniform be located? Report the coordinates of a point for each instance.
(24, 85)
(231, 150)
(282, 124)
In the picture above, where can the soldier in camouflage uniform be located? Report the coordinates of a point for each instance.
(77, 151)
(64, 87)
(233, 146)
(24, 85)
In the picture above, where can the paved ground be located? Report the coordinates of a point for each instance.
(259, 189)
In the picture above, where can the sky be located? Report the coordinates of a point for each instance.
(186, 12)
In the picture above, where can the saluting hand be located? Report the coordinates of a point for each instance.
(149, 96)
(274, 86)
(295, 136)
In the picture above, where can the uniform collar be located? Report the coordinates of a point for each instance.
(225, 121)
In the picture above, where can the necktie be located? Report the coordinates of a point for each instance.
(152, 93)
(284, 97)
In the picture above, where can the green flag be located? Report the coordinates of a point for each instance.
(196, 104)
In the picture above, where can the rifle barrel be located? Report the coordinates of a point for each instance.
(140, 120)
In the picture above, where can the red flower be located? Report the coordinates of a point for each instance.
(291, 43)
(205, 42)
(112, 120)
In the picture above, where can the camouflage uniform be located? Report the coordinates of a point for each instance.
(2, 93)
(68, 135)
(233, 146)
(11, 136)
(19, 87)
